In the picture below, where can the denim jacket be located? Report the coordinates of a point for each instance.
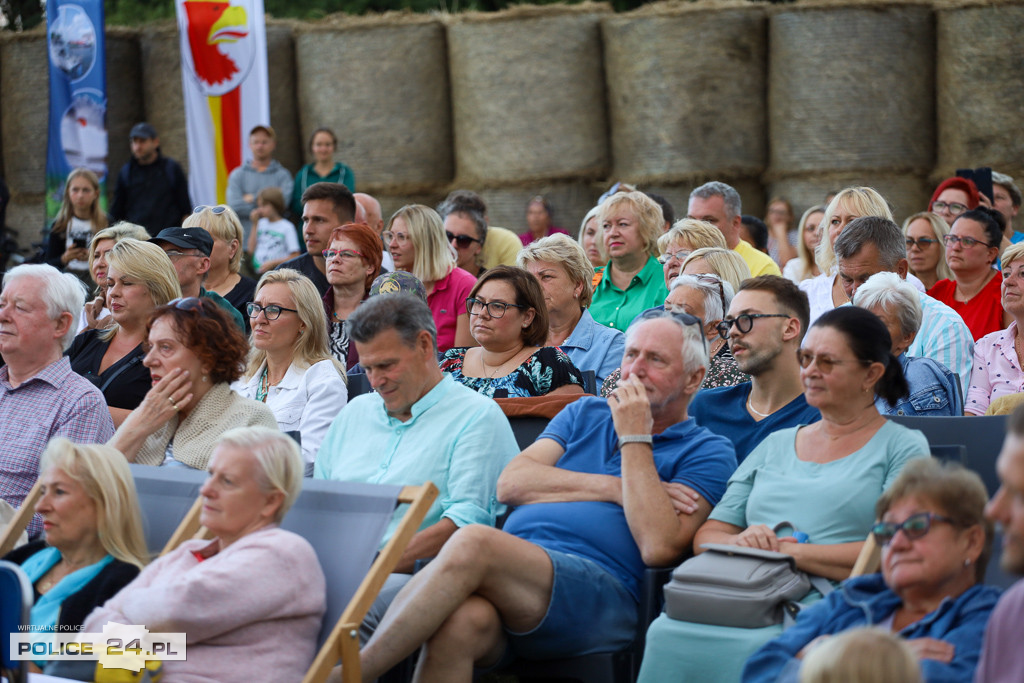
(865, 601)
(934, 390)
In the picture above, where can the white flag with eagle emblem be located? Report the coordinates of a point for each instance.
(224, 79)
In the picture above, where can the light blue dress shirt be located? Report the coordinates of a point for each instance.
(593, 346)
(945, 338)
(456, 438)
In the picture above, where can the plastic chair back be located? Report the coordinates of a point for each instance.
(15, 603)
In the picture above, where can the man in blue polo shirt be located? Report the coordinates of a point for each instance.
(608, 487)
(766, 322)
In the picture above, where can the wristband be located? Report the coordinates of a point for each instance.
(636, 438)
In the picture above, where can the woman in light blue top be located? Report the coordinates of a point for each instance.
(823, 479)
(566, 277)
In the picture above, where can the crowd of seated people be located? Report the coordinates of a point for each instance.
(732, 404)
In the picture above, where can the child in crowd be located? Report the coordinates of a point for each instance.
(274, 240)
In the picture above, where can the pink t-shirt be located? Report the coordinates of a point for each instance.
(996, 370)
(447, 302)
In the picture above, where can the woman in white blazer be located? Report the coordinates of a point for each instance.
(290, 367)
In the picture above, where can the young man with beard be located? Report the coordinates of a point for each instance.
(765, 325)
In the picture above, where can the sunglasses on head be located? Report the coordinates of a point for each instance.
(461, 241)
(219, 209)
(187, 303)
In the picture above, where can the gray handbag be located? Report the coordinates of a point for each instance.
(731, 585)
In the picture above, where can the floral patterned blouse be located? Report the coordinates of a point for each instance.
(722, 372)
(543, 372)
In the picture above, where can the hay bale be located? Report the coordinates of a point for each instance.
(24, 82)
(163, 101)
(906, 193)
(852, 87)
(124, 98)
(570, 201)
(979, 100)
(26, 214)
(390, 203)
(686, 92)
(284, 115)
(382, 86)
(528, 95)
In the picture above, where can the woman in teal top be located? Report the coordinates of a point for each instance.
(324, 169)
(633, 280)
(822, 479)
(93, 530)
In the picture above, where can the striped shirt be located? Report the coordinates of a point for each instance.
(56, 402)
(945, 338)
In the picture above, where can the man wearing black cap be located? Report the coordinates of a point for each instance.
(151, 189)
(189, 250)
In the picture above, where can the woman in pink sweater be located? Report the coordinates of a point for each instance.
(250, 601)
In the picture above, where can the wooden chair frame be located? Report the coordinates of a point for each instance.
(21, 519)
(343, 642)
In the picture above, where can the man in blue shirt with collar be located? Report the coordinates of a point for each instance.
(766, 322)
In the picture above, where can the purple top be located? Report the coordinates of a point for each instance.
(528, 237)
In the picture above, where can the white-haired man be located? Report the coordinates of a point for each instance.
(40, 395)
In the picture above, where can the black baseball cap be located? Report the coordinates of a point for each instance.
(186, 238)
(143, 131)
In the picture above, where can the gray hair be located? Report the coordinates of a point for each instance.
(695, 345)
(1006, 182)
(61, 292)
(890, 292)
(453, 206)
(733, 204)
(713, 303)
(406, 314)
(279, 458)
(881, 232)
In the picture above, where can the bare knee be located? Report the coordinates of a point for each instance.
(473, 630)
(473, 547)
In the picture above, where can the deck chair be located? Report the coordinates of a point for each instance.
(345, 522)
(168, 496)
(17, 525)
(15, 603)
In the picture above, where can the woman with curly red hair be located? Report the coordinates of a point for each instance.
(194, 352)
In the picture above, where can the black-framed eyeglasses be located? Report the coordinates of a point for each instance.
(966, 242)
(273, 311)
(913, 527)
(216, 210)
(681, 316)
(187, 303)
(744, 322)
(955, 208)
(461, 241)
(921, 242)
(495, 309)
(825, 363)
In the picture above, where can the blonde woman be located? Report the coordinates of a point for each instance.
(926, 251)
(78, 219)
(590, 238)
(804, 267)
(224, 277)
(685, 237)
(825, 292)
(95, 313)
(140, 278)
(417, 242)
(565, 275)
(725, 263)
(632, 282)
(290, 367)
(93, 545)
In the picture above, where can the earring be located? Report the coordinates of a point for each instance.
(967, 562)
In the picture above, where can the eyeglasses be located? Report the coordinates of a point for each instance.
(273, 311)
(175, 255)
(216, 210)
(914, 527)
(677, 255)
(461, 241)
(967, 242)
(399, 237)
(495, 309)
(712, 279)
(954, 208)
(825, 363)
(921, 242)
(744, 323)
(342, 253)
